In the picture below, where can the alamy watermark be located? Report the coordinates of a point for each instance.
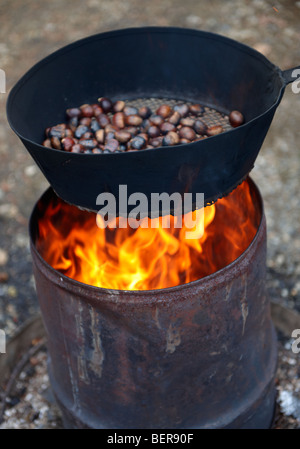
(2, 342)
(296, 343)
(296, 83)
(174, 204)
(2, 82)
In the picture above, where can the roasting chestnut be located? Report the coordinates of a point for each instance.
(236, 118)
(77, 148)
(100, 135)
(105, 103)
(174, 118)
(156, 142)
(79, 132)
(214, 130)
(196, 109)
(167, 127)
(119, 120)
(103, 120)
(112, 145)
(133, 120)
(187, 121)
(118, 106)
(187, 133)
(86, 121)
(164, 111)
(47, 143)
(156, 120)
(182, 108)
(94, 125)
(123, 136)
(67, 143)
(200, 127)
(130, 110)
(87, 110)
(171, 138)
(153, 131)
(88, 144)
(57, 131)
(73, 112)
(137, 143)
(97, 109)
(144, 112)
(133, 130)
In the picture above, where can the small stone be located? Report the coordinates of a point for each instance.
(3, 257)
(193, 20)
(3, 277)
(30, 171)
(11, 310)
(12, 291)
(34, 361)
(263, 48)
(28, 397)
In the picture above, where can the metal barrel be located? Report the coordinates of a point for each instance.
(200, 355)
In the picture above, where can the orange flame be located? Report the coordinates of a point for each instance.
(145, 258)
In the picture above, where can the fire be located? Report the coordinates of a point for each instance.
(145, 258)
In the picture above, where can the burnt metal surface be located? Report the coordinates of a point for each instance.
(200, 355)
(150, 62)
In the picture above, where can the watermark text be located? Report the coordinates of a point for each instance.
(296, 342)
(2, 342)
(180, 206)
(2, 82)
(296, 83)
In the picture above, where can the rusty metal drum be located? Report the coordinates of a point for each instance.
(199, 355)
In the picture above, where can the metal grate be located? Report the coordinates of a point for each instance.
(210, 116)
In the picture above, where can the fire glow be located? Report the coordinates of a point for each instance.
(145, 258)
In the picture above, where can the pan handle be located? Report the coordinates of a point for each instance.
(289, 76)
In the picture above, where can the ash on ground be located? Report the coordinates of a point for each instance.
(288, 387)
(31, 404)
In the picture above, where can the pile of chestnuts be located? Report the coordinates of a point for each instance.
(112, 127)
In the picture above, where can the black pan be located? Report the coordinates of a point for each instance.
(150, 62)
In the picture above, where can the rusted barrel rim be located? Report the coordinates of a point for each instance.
(91, 293)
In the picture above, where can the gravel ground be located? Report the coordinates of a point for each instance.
(31, 30)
